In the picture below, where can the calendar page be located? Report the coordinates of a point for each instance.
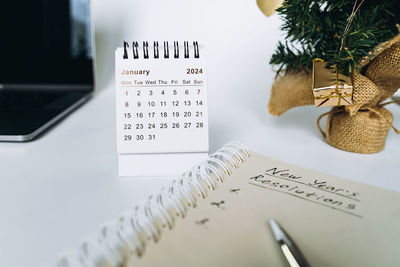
(161, 99)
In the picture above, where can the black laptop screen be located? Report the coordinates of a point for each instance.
(45, 42)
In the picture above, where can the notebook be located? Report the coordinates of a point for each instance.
(216, 214)
(161, 107)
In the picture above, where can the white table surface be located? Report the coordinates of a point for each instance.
(61, 187)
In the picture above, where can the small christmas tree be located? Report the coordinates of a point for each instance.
(316, 29)
(341, 53)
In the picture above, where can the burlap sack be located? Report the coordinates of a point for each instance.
(365, 132)
(378, 80)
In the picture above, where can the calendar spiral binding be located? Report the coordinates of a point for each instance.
(128, 236)
(156, 49)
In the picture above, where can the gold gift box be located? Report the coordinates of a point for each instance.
(330, 88)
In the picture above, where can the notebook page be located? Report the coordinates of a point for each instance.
(334, 221)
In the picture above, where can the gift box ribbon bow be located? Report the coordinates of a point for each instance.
(328, 83)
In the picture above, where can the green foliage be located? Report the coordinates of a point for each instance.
(314, 29)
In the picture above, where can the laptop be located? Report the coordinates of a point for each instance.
(46, 64)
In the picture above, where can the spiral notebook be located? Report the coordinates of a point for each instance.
(216, 215)
(161, 93)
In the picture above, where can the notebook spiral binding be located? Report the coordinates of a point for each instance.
(127, 236)
(156, 50)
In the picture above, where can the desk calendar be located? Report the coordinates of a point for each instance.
(161, 104)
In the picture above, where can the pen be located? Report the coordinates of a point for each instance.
(288, 248)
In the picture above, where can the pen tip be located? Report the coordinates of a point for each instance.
(274, 226)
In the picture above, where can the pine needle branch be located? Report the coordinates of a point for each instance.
(314, 29)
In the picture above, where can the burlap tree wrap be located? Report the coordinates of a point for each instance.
(363, 126)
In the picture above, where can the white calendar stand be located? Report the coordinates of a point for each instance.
(161, 104)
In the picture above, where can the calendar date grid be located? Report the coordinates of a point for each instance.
(148, 112)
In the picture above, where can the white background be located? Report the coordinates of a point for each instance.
(59, 188)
